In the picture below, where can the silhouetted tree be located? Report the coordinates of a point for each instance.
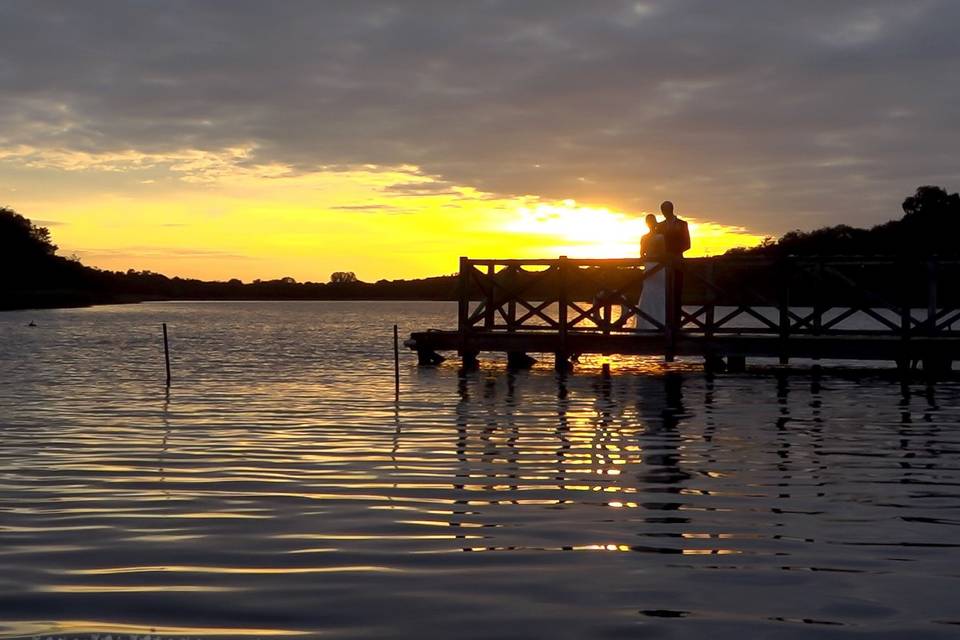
(32, 275)
(21, 238)
(933, 203)
(930, 226)
(343, 277)
(28, 257)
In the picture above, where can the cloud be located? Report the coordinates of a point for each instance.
(148, 252)
(194, 165)
(419, 189)
(371, 208)
(762, 114)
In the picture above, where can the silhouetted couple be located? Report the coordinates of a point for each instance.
(663, 244)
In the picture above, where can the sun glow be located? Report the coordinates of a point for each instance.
(597, 232)
(207, 216)
(579, 231)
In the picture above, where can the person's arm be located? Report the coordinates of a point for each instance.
(685, 239)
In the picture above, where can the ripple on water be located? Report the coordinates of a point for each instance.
(279, 490)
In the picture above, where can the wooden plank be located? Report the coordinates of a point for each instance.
(832, 347)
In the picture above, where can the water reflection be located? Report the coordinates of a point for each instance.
(164, 443)
(661, 409)
(281, 489)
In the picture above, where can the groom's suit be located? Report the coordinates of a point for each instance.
(676, 237)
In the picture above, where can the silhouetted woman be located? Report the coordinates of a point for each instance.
(653, 295)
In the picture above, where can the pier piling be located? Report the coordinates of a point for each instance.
(428, 357)
(519, 360)
(469, 361)
(736, 364)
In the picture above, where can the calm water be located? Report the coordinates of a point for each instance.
(279, 490)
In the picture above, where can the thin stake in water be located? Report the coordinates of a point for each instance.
(396, 362)
(166, 352)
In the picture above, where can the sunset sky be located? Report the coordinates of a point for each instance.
(259, 140)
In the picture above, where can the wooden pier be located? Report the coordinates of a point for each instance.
(901, 310)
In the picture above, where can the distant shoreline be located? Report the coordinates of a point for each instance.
(78, 300)
(33, 276)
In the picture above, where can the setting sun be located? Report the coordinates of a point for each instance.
(595, 232)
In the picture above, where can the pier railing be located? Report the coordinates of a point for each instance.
(724, 295)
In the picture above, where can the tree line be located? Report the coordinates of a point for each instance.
(930, 226)
(33, 275)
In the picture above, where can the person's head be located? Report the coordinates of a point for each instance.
(666, 208)
(651, 221)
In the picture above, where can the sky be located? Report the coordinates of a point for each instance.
(253, 139)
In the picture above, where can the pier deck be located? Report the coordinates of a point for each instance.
(733, 308)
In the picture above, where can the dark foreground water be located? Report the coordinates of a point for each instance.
(279, 490)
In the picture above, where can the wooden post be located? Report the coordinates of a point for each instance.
(670, 328)
(510, 277)
(817, 306)
(711, 360)
(166, 352)
(931, 296)
(469, 361)
(489, 312)
(736, 364)
(903, 294)
(519, 360)
(606, 315)
(783, 299)
(711, 300)
(463, 296)
(934, 366)
(905, 300)
(463, 306)
(396, 362)
(562, 302)
(428, 357)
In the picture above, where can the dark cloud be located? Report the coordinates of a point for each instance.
(770, 114)
(418, 189)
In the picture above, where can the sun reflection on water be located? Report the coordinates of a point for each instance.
(278, 484)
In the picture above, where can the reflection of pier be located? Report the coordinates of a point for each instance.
(733, 308)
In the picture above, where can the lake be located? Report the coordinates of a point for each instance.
(279, 490)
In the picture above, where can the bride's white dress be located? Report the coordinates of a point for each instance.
(653, 298)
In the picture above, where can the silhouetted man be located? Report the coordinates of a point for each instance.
(676, 234)
(676, 237)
